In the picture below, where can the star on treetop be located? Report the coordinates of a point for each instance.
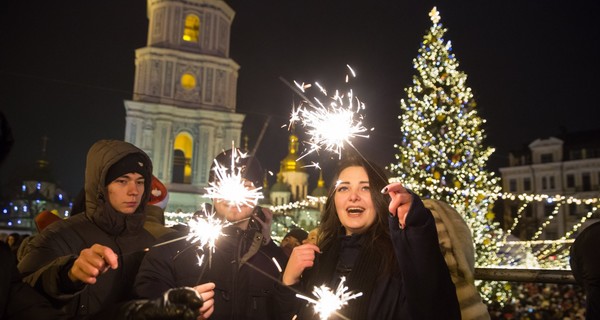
(435, 15)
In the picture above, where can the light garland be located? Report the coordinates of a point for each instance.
(442, 156)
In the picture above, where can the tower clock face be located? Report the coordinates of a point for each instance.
(188, 81)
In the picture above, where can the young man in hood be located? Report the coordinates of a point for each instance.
(87, 263)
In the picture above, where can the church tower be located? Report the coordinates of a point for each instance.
(183, 108)
(294, 172)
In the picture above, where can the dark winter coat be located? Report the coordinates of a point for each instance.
(418, 287)
(53, 252)
(241, 291)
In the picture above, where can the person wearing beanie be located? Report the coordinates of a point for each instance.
(241, 266)
(292, 239)
(86, 264)
(312, 236)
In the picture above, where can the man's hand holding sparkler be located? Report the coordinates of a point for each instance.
(206, 291)
(93, 262)
(401, 201)
(302, 257)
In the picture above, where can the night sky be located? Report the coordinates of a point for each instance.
(66, 67)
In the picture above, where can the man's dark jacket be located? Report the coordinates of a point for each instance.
(241, 268)
(53, 252)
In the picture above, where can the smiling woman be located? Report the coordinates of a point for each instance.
(353, 200)
(384, 244)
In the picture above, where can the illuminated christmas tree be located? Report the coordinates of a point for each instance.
(442, 155)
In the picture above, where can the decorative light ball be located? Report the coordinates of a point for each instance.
(480, 198)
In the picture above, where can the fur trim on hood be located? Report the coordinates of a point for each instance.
(456, 244)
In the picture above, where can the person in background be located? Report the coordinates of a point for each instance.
(45, 218)
(292, 239)
(14, 241)
(312, 236)
(86, 264)
(381, 239)
(241, 268)
(585, 264)
(42, 220)
(155, 210)
(78, 203)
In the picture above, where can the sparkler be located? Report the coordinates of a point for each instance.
(205, 231)
(330, 125)
(328, 302)
(230, 186)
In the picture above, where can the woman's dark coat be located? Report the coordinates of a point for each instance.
(419, 287)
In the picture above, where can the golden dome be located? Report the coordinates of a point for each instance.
(291, 163)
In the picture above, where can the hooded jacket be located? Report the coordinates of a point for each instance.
(53, 252)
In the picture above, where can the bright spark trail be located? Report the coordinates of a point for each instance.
(329, 302)
(230, 186)
(330, 124)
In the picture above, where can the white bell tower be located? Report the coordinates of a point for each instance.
(183, 108)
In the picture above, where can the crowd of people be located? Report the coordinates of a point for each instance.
(375, 238)
(542, 301)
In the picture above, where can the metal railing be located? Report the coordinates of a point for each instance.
(525, 275)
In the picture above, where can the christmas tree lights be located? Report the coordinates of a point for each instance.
(442, 148)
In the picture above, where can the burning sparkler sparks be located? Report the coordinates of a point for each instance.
(328, 301)
(230, 186)
(206, 230)
(330, 126)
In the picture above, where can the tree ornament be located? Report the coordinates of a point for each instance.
(455, 157)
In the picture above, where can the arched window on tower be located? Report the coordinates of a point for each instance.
(182, 158)
(191, 30)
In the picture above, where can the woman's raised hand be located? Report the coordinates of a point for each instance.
(401, 201)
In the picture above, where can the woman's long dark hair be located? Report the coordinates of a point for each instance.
(377, 235)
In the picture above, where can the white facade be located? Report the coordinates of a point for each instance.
(185, 86)
(552, 167)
